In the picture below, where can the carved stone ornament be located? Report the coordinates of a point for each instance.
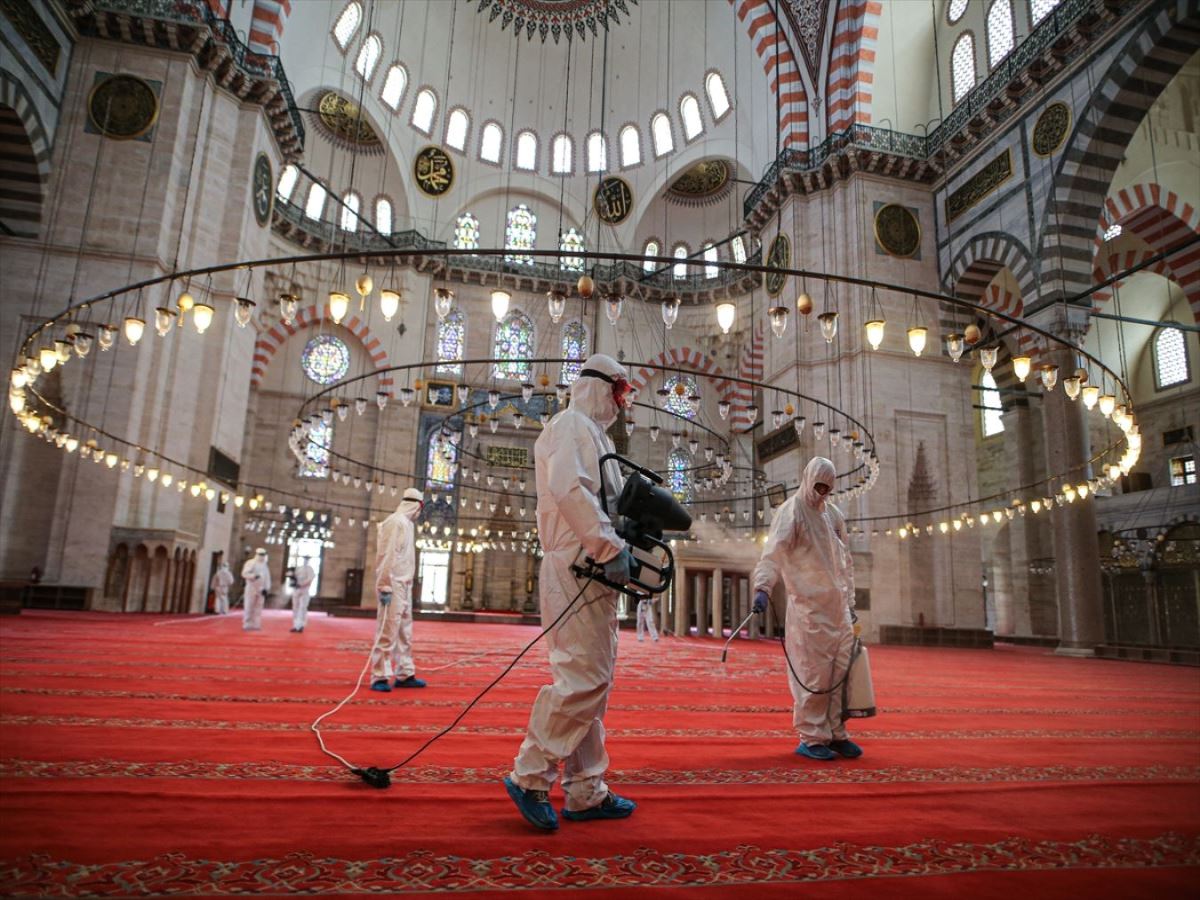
(122, 107)
(897, 230)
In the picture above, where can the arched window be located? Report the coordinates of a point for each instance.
(513, 347)
(962, 65)
(287, 182)
(351, 203)
(574, 350)
(490, 142)
(689, 111)
(466, 232)
(393, 87)
(1170, 358)
(368, 57)
(424, 110)
(561, 156)
(1039, 9)
(710, 257)
(456, 129)
(440, 462)
(527, 151)
(570, 241)
(738, 244)
(631, 146)
(520, 233)
(718, 97)
(652, 249)
(660, 129)
(677, 401)
(990, 401)
(347, 24)
(680, 252)
(314, 206)
(999, 31)
(597, 152)
(955, 10)
(451, 339)
(679, 479)
(316, 450)
(383, 215)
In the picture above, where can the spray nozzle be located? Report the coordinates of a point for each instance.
(375, 777)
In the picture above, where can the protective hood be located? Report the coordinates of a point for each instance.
(594, 396)
(815, 518)
(818, 471)
(410, 506)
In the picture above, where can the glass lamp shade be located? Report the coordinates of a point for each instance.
(106, 336)
(829, 324)
(835, 435)
(987, 357)
(164, 319)
(527, 392)
(613, 305)
(752, 413)
(708, 454)
(381, 399)
(463, 392)
(916, 339)
(202, 316)
(134, 329)
(1090, 395)
(675, 438)
(493, 398)
(493, 425)
(798, 423)
(1071, 387)
(693, 402)
(670, 311)
(339, 305)
(243, 309)
(818, 430)
(360, 405)
(629, 426)
(560, 392)
(443, 301)
(62, 349)
(500, 302)
(726, 314)
(518, 420)
(723, 409)
(407, 395)
(779, 320)
(18, 379)
(874, 330)
(1107, 404)
(556, 305)
(1021, 367)
(83, 344)
(776, 418)
(693, 446)
(287, 307)
(48, 358)
(389, 303)
(654, 430)
(955, 345)
(1049, 376)
(343, 411)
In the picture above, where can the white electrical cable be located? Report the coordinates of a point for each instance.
(315, 726)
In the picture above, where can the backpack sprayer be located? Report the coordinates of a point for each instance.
(647, 509)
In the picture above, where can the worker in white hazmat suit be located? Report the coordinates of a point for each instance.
(395, 568)
(808, 547)
(645, 618)
(222, 581)
(566, 723)
(303, 576)
(257, 575)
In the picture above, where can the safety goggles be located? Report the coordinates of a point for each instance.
(621, 389)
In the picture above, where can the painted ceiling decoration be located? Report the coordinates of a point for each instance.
(340, 120)
(555, 18)
(808, 19)
(703, 183)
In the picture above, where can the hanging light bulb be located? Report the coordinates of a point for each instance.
(389, 303)
(779, 320)
(987, 356)
(955, 345)
(493, 398)
(675, 439)
(407, 395)
(164, 319)
(134, 329)
(1072, 387)
(752, 413)
(654, 430)
(339, 305)
(670, 311)
(364, 284)
(493, 425)
(818, 430)
(1090, 395)
(106, 335)
(49, 359)
(829, 326)
(798, 424)
(243, 309)
(202, 316)
(613, 304)
(500, 301)
(381, 399)
(726, 314)
(83, 344)
(560, 392)
(1107, 404)
(443, 301)
(1021, 367)
(776, 418)
(287, 307)
(526, 391)
(723, 409)
(693, 445)
(556, 305)
(835, 435)
(874, 329)
(1049, 376)
(916, 339)
(360, 405)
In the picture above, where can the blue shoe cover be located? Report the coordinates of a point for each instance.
(847, 748)
(612, 807)
(816, 751)
(381, 685)
(533, 805)
(412, 681)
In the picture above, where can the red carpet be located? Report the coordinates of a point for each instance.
(159, 756)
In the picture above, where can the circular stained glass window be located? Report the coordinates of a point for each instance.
(326, 359)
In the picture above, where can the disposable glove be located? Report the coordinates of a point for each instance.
(761, 600)
(385, 598)
(617, 569)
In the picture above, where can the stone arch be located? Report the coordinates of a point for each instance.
(848, 84)
(25, 148)
(1141, 69)
(1161, 219)
(985, 254)
(770, 39)
(690, 359)
(275, 336)
(1121, 262)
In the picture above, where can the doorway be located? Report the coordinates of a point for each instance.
(435, 578)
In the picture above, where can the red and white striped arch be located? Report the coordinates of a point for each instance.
(274, 337)
(770, 39)
(1120, 262)
(1161, 219)
(849, 84)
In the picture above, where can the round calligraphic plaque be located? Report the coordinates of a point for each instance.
(613, 200)
(123, 107)
(778, 257)
(897, 230)
(1051, 128)
(434, 171)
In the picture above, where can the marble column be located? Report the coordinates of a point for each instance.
(700, 581)
(718, 603)
(682, 603)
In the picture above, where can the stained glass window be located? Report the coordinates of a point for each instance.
(999, 30)
(441, 462)
(316, 451)
(689, 111)
(1170, 358)
(718, 97)
(347, 24)
(679, 479)
(514, 347)
(651, 250)
(677, 402)
(962, 66)
(520, 234)
(287, 182)
(451, 338)
(571, 242)
(992, 407)
(660, 130)
(597, 152)
(325, 359)
(393, 86)
(574, 347)
(631, 146)
(466, 232)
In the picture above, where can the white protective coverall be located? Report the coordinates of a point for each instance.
(257, 576)
(645, 618)
(808, 547)
(221, 582)
(304, 577)
(395, 568)
(565, 724)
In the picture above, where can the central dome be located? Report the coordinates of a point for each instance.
(555, 17)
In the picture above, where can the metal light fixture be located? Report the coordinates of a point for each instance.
(202, 317)
(613, 305)
(916, 339)
(723, 409)
(287, 307)
(726, 314)
(955, 345)
(1090, 394)
(500, 302)
(134, 329)
(339, 305)
(874, 329)
(779, 320)
(1071, 387)
(987, 356)
(389, 303)
(243, 309)
(829, 325)
(106, 336)
(164, 320)
(556, 305)
(670, 311)
(1049, 375)
(443, 301)
(1021, 367)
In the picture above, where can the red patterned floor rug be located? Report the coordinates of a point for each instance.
(167, 756)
